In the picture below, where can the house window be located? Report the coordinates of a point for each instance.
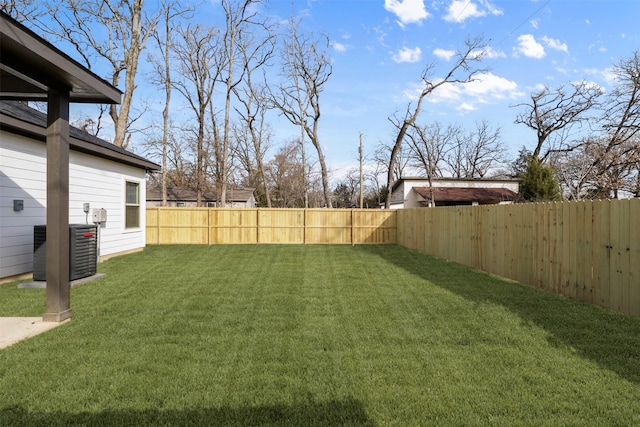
(132, 205)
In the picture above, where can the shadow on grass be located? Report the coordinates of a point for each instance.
(333, 413)
(610, 339)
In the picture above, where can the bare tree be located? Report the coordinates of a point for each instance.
(374, 175)
(574, 171)
(178, 170)
(250, 151)
(196, 50)
(476, 153)
(380, 157)
(164, 40)
(463, 71)
(613, 165)
(253, 100)
(253, 141)
(115, 32)
(286, 176)
(620, 146)
(346, 191)
(634, 181)
(553, 113)
(22, 10)
(605, 162)
(238, 44)
(430, 146)
(306, 68)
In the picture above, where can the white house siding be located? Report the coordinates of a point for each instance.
(93, 180)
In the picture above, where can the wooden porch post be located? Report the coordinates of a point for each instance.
(57, 271)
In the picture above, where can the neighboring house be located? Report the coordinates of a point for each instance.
(416, 192)
(187, 197)
(100, 174)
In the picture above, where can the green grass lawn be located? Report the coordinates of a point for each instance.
(316, 335)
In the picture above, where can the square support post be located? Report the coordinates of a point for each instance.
(57, 271)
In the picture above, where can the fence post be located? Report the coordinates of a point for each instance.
(353, 243)
(257, 225)
(158, 227)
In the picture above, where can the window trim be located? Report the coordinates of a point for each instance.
(137, 205)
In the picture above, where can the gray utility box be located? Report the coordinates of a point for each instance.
(83, 251)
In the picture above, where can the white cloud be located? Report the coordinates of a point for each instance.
(466, 107)
(407, 11)
(407, 55)
(461, 10)
(607, 74)
(493, 10)
(380, 35)
(444, 54)
(445, 93)
(534, 23)
(528, 46)
(488, 53)
(555, 44)
(487, 88)
(610, 76)
(339, 47)
(591, 85)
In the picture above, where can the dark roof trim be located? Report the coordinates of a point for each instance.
(461, 194)
(397, 183)
(31, 67)
(20, 119)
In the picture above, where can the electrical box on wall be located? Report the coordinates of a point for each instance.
(99, 216)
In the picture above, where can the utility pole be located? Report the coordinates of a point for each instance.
(361, 190)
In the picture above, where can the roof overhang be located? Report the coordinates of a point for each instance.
(78, 142)
(31, 68)
(471, 194)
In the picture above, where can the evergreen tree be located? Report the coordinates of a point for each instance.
(537, 181)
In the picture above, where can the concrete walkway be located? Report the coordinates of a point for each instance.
(15, 329)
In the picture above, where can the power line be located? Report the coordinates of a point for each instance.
(528, 18)
(463, 9)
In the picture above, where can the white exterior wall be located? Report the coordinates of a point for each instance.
(93, 180)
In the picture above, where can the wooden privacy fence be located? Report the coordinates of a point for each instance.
(252, 226)
(586, 250)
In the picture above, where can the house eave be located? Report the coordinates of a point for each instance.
(39, 133)
(32, 67)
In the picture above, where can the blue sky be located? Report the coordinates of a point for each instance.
(380, 48)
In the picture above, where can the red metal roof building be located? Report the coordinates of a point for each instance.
(417, 192)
